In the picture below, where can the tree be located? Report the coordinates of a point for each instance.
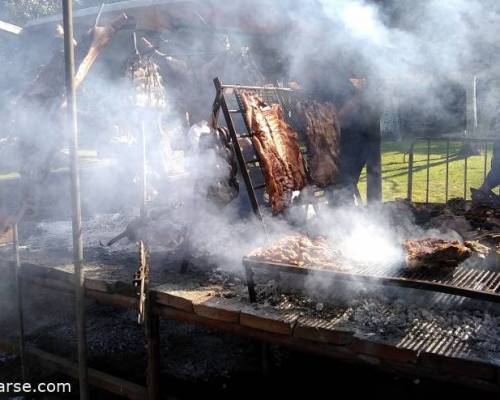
(21, 11)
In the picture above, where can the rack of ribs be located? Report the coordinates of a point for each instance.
(302, 251)
(436, 254)
(277, 146)
(322, 131)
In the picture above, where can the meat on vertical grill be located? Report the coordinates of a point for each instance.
(435, 253)
(322, 130)
(277, 147)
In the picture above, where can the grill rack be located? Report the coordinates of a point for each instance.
(467, 282)
(276, 94)
(270, 94)
(480, 284)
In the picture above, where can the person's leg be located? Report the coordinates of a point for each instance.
(493, 178)
(352, 160)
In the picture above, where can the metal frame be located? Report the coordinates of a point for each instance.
(467, 282)
(483, 144)
(220, 102)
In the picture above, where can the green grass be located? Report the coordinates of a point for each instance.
(86, 157)
(395, 171)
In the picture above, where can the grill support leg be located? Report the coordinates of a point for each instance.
(186, 252)
(265, 359)
(250, 284)
(152, 329)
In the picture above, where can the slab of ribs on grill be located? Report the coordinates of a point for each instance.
(299, 250)
(433, 253)
(322, 132)
(277, 146)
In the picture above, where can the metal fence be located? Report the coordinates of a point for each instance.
(473, 154)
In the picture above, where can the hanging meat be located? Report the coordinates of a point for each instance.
(434, 253)
(322, 132)
(277, 147)
(226, 188)
(147, 82)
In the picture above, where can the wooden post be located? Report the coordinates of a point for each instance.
(69, 56)
(152, 329)
(19, 299)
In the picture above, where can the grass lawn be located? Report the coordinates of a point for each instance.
(395, 171)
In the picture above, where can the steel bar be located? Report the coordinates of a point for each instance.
(466, 158)
(238, 152)
(269, 88)
(411, 161)
(69, 56)
(447, 181)
(462, 285)
(427, 179)
(485, 165)
(19, 300)
(250, 284)
(409, 194)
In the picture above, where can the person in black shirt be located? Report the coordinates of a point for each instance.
(493, 178)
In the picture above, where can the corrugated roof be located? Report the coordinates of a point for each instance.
(159, 14)
(108, 8)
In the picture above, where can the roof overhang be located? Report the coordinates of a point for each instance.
(161, 15)
(10, 28)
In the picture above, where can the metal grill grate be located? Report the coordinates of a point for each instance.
(470, 282)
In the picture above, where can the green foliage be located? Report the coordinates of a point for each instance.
(21, 11)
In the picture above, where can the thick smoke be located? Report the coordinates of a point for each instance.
(403, 47)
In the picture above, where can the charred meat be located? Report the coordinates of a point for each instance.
(277, 147)
(322, 131)
(435, 253)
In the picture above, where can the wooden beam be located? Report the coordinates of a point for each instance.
(10, 28)
(97, 378)
(152, 331)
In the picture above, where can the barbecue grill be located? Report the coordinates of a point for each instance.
(229, 100)
(249, 167)
(481, 284)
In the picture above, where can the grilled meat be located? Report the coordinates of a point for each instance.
(277, 147)
(435, 253)
(322, 131)
(149, 90)
(300, 250)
